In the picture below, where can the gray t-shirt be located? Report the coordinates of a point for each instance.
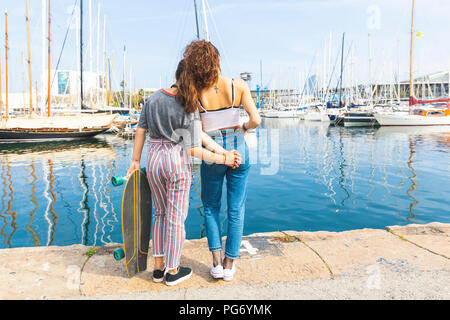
(166, 118)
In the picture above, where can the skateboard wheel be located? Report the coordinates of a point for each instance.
(117, 180)
(119, 254)
(144, 170)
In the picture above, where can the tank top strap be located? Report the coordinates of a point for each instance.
(201, 106)
(233, 96)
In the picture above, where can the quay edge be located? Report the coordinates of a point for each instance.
(404, 262)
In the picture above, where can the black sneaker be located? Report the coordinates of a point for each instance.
(182, 274)
(158, 275)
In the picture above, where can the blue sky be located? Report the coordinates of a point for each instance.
(285, 35)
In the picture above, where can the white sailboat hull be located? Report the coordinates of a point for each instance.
(406, 119)
(280, 114)
(317, 116)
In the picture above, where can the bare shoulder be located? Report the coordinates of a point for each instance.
(241, 84)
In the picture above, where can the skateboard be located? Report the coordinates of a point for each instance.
(136, 220)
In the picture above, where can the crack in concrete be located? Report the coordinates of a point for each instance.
(309, 247)
(416, 244)
(81, 275)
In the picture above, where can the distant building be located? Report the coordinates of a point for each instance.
(434, 85)
(67, 82)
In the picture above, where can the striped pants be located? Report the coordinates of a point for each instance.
(169, 173)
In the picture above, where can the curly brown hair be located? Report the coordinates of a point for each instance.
(201, 71)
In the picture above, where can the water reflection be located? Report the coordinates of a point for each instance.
(365, 171)
(438, 135)
(412, 179)
(324, 178)
(41, 179)
(33, 199)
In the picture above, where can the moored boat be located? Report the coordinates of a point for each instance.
(35, 128)
(420, 116)
(432, 112)
(359, 119)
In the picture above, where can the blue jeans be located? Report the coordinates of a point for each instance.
(212, 177)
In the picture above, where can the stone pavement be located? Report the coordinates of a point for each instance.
(400, 262)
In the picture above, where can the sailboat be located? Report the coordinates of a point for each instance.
(421, 112)
(34, 127)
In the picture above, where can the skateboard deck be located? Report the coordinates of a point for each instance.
(136, 222)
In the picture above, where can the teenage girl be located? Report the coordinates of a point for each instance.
(219, 100)
(175, 133)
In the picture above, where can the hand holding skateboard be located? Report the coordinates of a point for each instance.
(136, 220)
(133, 166)
(119, 180)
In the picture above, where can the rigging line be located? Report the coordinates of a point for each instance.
(309, 73)
(115, 80)
(220, 39)
(178, 47)
(332, 73)
(345, 62)
(64, 44)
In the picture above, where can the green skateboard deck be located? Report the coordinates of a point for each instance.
(136, 222)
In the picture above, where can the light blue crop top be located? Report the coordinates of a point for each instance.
(221, 118)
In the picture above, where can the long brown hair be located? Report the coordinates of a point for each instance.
(201, 71)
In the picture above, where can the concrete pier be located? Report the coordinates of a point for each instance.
(400, 262)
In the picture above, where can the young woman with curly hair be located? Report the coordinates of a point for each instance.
(202, 87)
(175, 132)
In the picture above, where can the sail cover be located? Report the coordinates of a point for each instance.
(63, 122)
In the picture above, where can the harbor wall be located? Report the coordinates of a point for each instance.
(403, 262)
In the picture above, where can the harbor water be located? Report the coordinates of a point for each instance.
(305, 176)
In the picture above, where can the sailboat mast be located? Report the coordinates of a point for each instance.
(370, 96)
(342, 69)
(130, 90)
(81, 55)
(97, 75)
(411, 84)
(49, 61)
(111, 66)
(90, 37)
(6, 62)
(43, 57)
(104, 55)
(398, 72)
(123, 76)
(196, 20)
(29, 62)
(23, 82)
(205, 21)
(106, 80)
(1, 98)
(90, 47)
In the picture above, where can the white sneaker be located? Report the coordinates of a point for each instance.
(229, 273)
(216, 272)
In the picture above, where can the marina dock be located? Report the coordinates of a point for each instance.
(399, 262)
